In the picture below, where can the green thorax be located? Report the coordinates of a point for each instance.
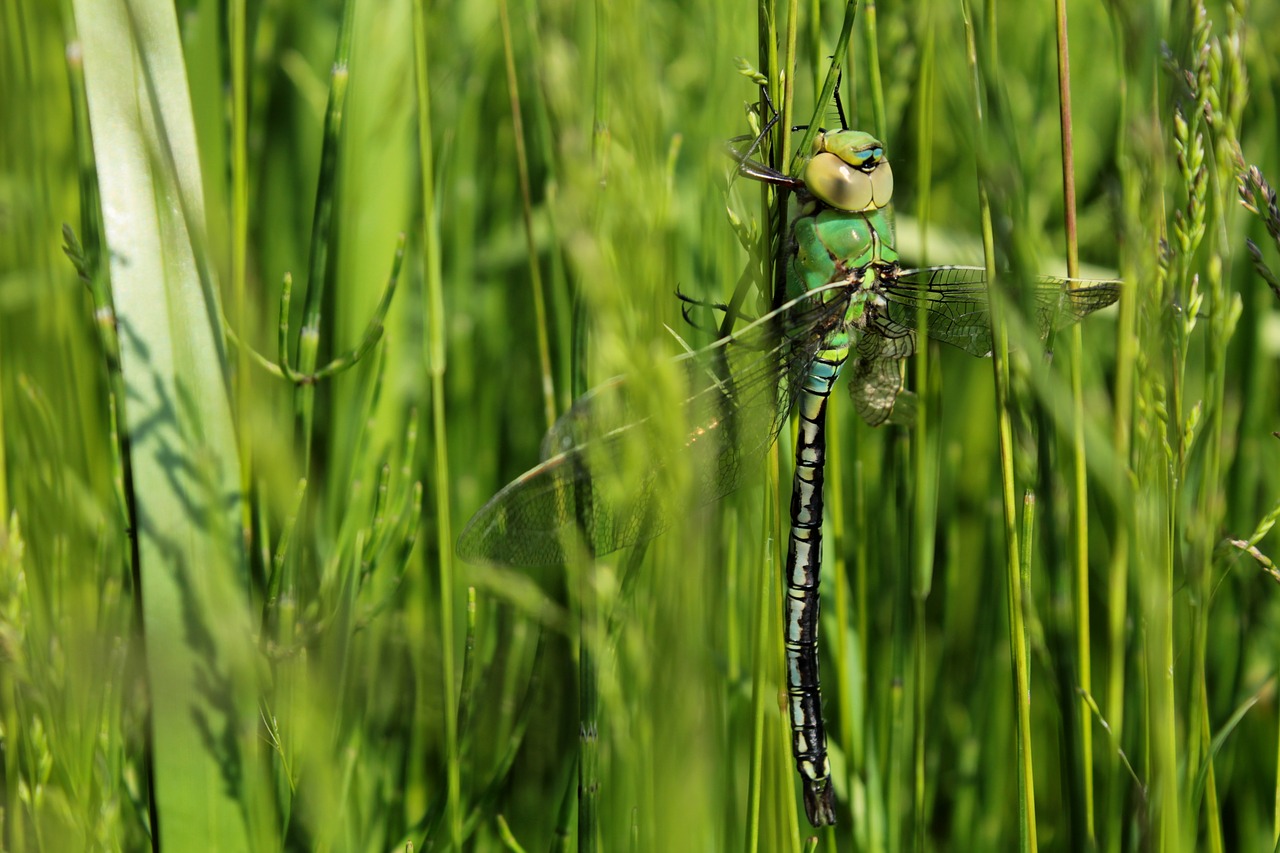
(841, 223)
(828, 244)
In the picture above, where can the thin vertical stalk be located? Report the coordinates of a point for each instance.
(1028, 534)
(559, 286)
(919, 824)
(599, 124)
(588, 716)
(860, 584)
(924, 492)
(526, 208)
(815, 52)
(322, 231)
(1068, 149)
(873, 69)
(1213, 816)
(582, 567)
(1118, 566)
(238, 35)
(15, 33)
(562, 837)
(828, 85)
(1159, 470)
(788, 74)
(895, 481)
(1000, 371)
(767, 56)
(1226, 80)
(760, 655)
(1013, 577)
(1080, 495)
(436, 364)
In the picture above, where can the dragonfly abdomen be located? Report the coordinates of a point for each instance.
(804, 559)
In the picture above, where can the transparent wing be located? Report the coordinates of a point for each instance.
(875, 377)
(955, 299)
(959, 314)
(740, 390)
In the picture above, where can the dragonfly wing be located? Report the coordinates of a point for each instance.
(959, 313)
(574, 427)
(875, 382)
(740, 390)
(955, 299)
(1061, 302)
(531, 522)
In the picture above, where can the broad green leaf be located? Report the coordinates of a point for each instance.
(186, 497)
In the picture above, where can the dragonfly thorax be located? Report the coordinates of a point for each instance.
(828, 245)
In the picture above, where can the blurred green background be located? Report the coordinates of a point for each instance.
(380, 693)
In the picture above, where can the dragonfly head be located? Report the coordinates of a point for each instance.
(849, 171)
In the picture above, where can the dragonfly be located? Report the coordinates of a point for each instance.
(849, 306)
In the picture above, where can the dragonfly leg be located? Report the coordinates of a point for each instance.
(692, 304)
(754, 169)
(844, 123)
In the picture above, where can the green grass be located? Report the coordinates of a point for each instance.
(229, 602)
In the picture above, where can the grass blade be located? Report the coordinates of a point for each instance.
(185, 486)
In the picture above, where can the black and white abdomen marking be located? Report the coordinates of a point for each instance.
(804, 560)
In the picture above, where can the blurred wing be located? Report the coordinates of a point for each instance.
(740, 392)
(955, 299)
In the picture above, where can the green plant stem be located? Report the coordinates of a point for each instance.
(238, 67)
(828, 88)
(873, 69)
(526, 198)
(787, 73)
(1083, 762)
(999, 365)
(860, 567)
(1118, 564)
(309, 338)
(924, 459)
(436, 364)
(763, 617)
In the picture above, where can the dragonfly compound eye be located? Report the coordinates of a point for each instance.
(882, 184)
(846, 187)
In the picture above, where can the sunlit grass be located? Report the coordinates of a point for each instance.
(393, 705)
